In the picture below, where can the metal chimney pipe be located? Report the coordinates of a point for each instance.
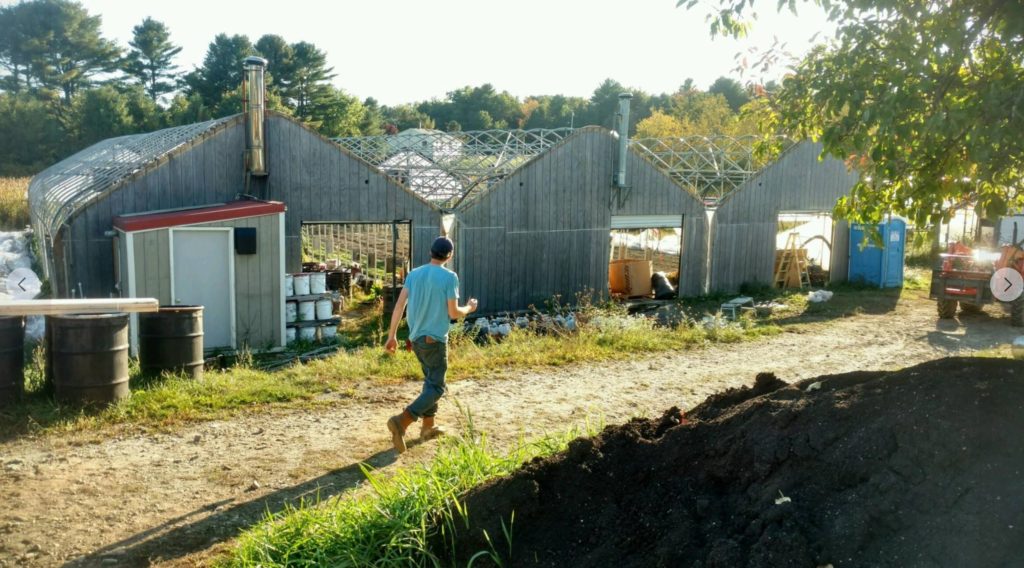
(624, 99)
(253, 105)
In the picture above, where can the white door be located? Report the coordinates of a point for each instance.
(202, 273)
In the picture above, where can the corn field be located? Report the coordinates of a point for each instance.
(13, 203)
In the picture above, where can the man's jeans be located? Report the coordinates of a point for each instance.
(433, 358)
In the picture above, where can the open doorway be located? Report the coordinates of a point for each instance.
(359, 254)
(803, 249)
(643, 246)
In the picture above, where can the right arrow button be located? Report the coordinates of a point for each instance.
(1007, 284)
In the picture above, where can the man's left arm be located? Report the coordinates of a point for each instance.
(455, 311)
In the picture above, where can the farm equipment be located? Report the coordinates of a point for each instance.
(963, 275)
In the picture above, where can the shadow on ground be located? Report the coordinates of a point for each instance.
(987, 330)
(223, 520)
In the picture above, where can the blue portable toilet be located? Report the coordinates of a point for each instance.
(882, 267)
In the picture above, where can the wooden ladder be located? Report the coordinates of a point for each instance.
(788, 259)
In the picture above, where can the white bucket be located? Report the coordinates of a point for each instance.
(324, 309)
(328, 332)
(289, 334)
(301, 284)
(307, 310)
(291, 311)
(317, 282)
(289, 286)
(307, 333)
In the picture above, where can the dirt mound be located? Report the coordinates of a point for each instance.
(919, 467)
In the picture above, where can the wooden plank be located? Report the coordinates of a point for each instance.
(150, 278)
(82, 306)
(163, 265)
(269, 278)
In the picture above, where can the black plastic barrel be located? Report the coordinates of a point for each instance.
(89, 357)
(12, 359)
(172, 340)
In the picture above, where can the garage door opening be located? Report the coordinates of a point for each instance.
(655, 242)
(803, 249)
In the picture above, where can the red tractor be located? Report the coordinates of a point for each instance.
(963, 277)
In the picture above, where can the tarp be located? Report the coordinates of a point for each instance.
(665, 241)
(14, 254)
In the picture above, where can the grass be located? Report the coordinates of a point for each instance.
(605, 334)
(13, 203)
(167, 401)
(403, 520)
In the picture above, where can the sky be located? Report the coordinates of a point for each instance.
(402, 51)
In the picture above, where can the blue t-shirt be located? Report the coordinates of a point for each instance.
(430, 287)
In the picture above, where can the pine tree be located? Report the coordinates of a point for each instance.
(221, 72)
(150, 60)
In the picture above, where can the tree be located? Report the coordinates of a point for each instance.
(923, 98)
(556, 111)
(702, 113)
(475, 108)
(373, 120)
(604, 104)
(732, 90)
(308, 89)
(279, 56)
(151, 58)
(146, 115)
(33, 139)
(341, 114)
(16, 48)
(54, 45)
(188, 109)
(221, 72)
(403, 117)
(101, 113)
(660, 125)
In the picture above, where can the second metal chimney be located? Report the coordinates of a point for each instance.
(624, 98)
(253, 104)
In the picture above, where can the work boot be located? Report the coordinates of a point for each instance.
(397, 433)
(428, 434)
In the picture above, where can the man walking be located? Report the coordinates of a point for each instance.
(432, 293)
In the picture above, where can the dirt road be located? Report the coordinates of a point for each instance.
(175, 499)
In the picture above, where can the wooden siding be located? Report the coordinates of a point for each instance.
(744, 226)
(205, 172)
(654, 193)
(258, 293)
(153, 265)
(315, 178)
(320, 182)
(544, 231)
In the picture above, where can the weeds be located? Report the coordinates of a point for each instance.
(408, 520)
(605, 333)
(13, 203)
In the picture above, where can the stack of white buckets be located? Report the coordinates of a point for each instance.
(307, 300)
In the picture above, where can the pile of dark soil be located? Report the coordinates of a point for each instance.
(919, 467)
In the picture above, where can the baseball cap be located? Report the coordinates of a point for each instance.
(442, 247)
